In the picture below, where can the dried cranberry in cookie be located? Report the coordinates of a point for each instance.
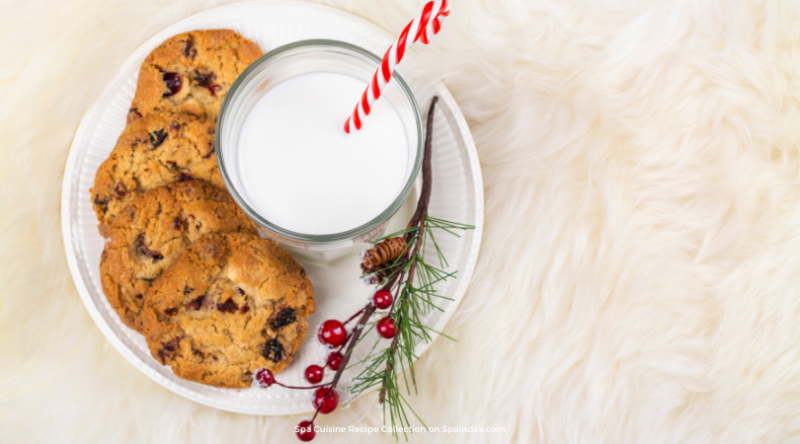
(191, 73)
(155, 150)
(149, 234)
(201, 300)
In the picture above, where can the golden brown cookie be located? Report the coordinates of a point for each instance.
(230, 304)
(153, 151)
(150, 233)
(191, 73)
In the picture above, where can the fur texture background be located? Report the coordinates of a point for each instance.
(639, 279)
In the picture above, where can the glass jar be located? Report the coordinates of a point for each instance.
(286, 62)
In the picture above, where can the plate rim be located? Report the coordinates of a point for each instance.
(81, 133)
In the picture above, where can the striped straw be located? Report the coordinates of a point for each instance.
(422, 28)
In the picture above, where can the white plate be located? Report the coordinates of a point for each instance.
(457, 196)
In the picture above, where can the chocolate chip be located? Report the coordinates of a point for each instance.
(273, 350)
(282, 318)
(167, 349)
(157, 138)
(172, 345)
(204, 79)
(189, 51)
(102, 203)
(211, 151)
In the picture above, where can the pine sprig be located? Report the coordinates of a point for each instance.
(392, 368)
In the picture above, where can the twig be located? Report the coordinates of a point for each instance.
(427, 173)
(359, 328)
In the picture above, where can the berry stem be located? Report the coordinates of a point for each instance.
(316, 412)
(351, 341)
(357, 330)
(294, 387)
(322, 401)
(339, 348)
(354, 316)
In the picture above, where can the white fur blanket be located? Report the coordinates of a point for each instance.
(639, 280)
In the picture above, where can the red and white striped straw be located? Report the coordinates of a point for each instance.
(422, 28)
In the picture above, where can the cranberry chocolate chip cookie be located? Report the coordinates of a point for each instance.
(229, 304)
(150, 233)
(191, 73)
(156, 150)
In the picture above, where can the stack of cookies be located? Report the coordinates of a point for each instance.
(183, 265)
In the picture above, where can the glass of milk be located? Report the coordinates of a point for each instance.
(287, 161)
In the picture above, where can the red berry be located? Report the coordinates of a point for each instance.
(382, 299)
(324, 401)
(264, 377)
(305, 431)
(387, 328)
(332, 333)
(314, 374)
(335, 360)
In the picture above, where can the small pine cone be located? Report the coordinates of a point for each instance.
(386, 250)
(377, 277)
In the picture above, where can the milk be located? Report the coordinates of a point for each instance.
(302, 172)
